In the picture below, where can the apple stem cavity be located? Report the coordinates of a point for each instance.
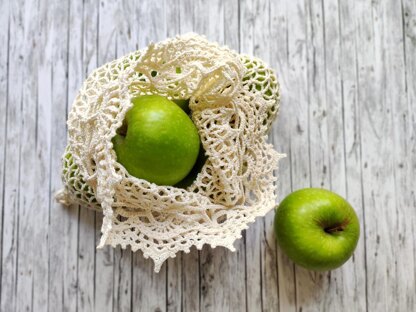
(336, 228)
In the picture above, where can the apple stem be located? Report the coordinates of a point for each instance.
(337, 228)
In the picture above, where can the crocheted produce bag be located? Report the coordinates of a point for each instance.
(233, 101)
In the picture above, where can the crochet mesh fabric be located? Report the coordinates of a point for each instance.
(233, 101)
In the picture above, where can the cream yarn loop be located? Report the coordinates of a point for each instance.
(233, 100)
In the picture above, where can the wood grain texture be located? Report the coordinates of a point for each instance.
(347, 71)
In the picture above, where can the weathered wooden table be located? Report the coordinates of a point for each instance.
(348, 122)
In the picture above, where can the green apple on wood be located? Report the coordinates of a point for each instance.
(158, 141)
(317, 228)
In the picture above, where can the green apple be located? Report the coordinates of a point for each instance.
(317, 229)
(158, 141)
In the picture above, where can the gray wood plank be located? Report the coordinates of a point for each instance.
(281, 137)
(4, 90)
(400, 228)
(191, 281)
(186, 16)
(32, 274)
(174, 283)
(377, 159)
(58, 67)
(149, 288)
(122, 287)
(231, 23)
(12, 174)
(409, 50)
(63, 221)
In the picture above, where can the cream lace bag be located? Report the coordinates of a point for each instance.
(233, 101)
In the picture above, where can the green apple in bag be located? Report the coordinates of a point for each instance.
(158, 142)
